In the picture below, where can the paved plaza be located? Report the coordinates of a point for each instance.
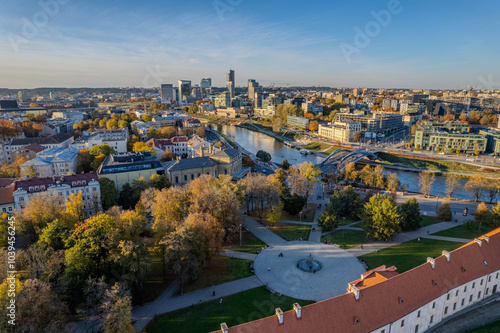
(282, 275)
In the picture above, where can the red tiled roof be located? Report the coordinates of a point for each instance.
(374, 276)
(6, 195)
(35, 147)
(380, 304)
(6, 181)
(180, 139)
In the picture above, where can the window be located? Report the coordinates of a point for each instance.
(416, 329)
(463, 301)
(4, 210)
(402, 323)
(481, 281)
(478, 295)
(454, 306)
(470, 298)
(456, 294)
(497, 276)
(418, 314)
(176, 179)
(473, 285)
(448, 297)
(446, 309)
(465, 289)
(489, 278)
(192, 176)
(487, 290)
(185, 178)
(432, 319)
(434, 305)
(383, 331)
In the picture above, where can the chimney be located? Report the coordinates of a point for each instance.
(298, 309)
(486, 238)
(355, 291)
(223, 328)
(447, 255)
(431, 261)
(211, 148)
(279, 314)
(478, 241)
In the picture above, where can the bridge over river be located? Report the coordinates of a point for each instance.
(338, 159)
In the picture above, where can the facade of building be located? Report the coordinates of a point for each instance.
(8, 150)
(253, 88)
(265, 113)
(412, 302)
(312, 107)
(410, 119)
(206, 87)
(117, 139)
(299, 122)
(167, 93)
(231, 84)
(55, 161)
(434, 136)
(339, 131)
(184, 90)
(64, 186)
(378, 122)
(493, 141)
(125, 167)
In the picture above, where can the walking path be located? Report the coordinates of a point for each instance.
(315, 235)
(143, 314)
(261, 232)
(450, 239)
(239, 255)
(295, 222)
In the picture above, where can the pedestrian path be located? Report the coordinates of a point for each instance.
(261, 232)
(295, 222)
(346, 227)
(449, 239)
(143, 314)
(239, 255)
(315, 235)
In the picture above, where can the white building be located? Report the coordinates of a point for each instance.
(55, 161)
(312, 107)
(8, 150)
(339, 131)
(64, 186)
(117, 139)
(265, 113)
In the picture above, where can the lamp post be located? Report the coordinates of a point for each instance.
(240, 232)
(220, 306)
(300, 214)
(343, 228)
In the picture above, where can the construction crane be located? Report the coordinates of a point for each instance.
(469, 87)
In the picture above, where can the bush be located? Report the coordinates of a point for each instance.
(444, 211)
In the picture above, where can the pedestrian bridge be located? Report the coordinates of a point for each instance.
(338, 159)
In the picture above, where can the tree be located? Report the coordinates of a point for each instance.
(444, 211)
(477, 152)
(410, 212)
(492, 187)
(311, 174)
(381, 217)
(327, 221)
(393, 183)
(75, 205)
(167, 156)
(482, 213)
(285, 165)
(293, 204)
(475, 185)
(109, 193)
(159, 182)
(55, 234)
(345, 203)
(367, 176)
(452, 185)
(425, 180)
(84, 161)
(412, 142)
(350, 172)
(494, 219)
(142, 146)
(313, 125)
(263, 156)
(378, 176)
(200, 131)
(117, 310)
(357, 136)
(103, 149)
(126, 198)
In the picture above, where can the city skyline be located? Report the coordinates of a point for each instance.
(61, 43)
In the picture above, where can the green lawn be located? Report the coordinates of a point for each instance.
(316, 146)
(346, 238)
(289, 231)
(428, 220)
(347, 221)
(331, 150)
(409, 254)
(237, 309)
(462, 231)
(249, 242)
(220, 270)
(494, 327)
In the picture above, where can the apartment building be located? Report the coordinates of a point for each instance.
(117, 139)
(339, 131)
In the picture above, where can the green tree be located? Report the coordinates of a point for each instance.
(101, 150)
(31, 172)
(109, 193)
(345, 203)
(327, 221)
(410, 212)
(381, 217)
(84, 161)
(444, 211)
(159, 182)
(55, 234)
(285, 165)
(494, 219)
(293, 204)
(126, 198)
(263, 156)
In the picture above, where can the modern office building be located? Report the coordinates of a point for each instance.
(167, 93)
(125, 167)
(231, 83)
(299, 122)
(493, 141)
(433, 137)
(206, 87)
(383, 301)
(184, 90)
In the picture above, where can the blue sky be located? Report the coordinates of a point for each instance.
(74, 43)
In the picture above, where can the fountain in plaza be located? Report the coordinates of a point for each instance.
(309, 264)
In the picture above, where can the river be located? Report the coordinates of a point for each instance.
(255, 141)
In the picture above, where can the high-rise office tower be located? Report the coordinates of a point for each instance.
(206, 87)
(230, 83)
(253, 87)
(184, 90)
(167, 93)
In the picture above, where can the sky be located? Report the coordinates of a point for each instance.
(122, 43)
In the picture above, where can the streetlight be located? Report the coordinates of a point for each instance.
(343, 227)
(240, 232)
(220, 305)
(300, 214)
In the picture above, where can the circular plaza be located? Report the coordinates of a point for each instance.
(292, 270)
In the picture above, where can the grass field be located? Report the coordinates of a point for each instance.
(445, 166)
(236, 309)
(346, 238)
(249, 242)
(462, 231)
(316, 146)
(408, 255)
(494, 327)
(428, 220)
(220, 270)
(331, 150)
(289, 231)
